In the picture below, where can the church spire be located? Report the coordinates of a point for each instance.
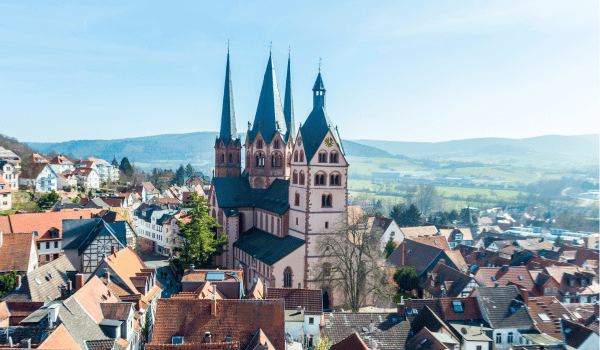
(228, 128)
(269, 117)
(319, 92)
(288, 104)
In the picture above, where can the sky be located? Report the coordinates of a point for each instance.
(394, 70)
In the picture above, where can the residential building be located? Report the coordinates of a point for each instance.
(505, 275)
(456, 236)
(38, 158)
(224, 324)
(66, 180)
(422, 257)
(106, 171)
(388, 331)
(5, 195)
(10, 173)
(504, 310)
(39, 176)
(14, 311)
(351, 342)
(547, 313)
(17, 252)
(435, 330)
(273, 209)
(157, 228)
(9, 156)
(86, 241)
(389, 229)
(230, 283)
(60, 164)
(419, 231)
(444, 281)
(87, 178)
(576, 284)
(428, 340)
(579, 336)
(303, 313)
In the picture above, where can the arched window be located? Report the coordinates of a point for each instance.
(320, 179)
(326, 269)
(259, 144)
(260, 160)
(276, 160)
(222, 158)
(230, 158)
(326, 200)
(333, 157)
(295, 177)
(322, 157)
(301, 156)
(276, 144)
(296, 156)
(287, 277)
(335, 179)
(301, 177)
(297, 199)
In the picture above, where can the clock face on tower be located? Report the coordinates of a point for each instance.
(329, 142)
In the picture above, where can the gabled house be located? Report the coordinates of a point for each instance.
(65, 180)
(5, 195)
(547, 313)
(579, 336)
(223, 325)
(39, 176)
(456, 236)
(389, 229)
(61, 164)
(10, 173)
(228, 282)
(576, 284)
(351, 342)
(38, 158)
(422, 257)
(9, 156)
(106, 171)
(157, 228)
(17, 252)
(505, 275)
(87, 178)
(582, 257)
(428, 340)
(445, 281)
(434, 330)
(14, 311)
(505, 311)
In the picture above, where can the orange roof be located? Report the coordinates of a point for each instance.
(59, 339)
(60, 160)
(43, 223)
(516, 274)
(4, 314)
(554, 310)
(419, 231)
(200, 275)
(435, 241)
(457, 259)
(204, 292)
(91, 295)
(15, 251)
(6, 188)
(83, 171)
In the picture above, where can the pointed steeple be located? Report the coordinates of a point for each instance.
(269, 113)
(228, 128)
(288, 103)
(319, 92)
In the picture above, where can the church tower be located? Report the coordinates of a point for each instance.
(288, 104)
(318, 194)
(228, 147)
(267, 148)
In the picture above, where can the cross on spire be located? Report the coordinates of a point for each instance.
(289, 50)
(271, 47)
(319, 64)
(227, 45)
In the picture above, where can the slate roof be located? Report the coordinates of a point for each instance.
(269, 118)
(78, 234)
(387, 329)
(15, 251)
(315, 129)
(310, 299)
(581, 255)
(275, 198)
(351, 342)
(228, 128)
(51, 277)
(194, 318)
(503, 307)
(233, 192)
(288, 103)
(428, 318)
(453, 281)
(575, 334)
(266, 247)
(79, 323)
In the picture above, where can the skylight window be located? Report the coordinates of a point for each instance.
(177, 340)
(38, 281)
(566, 317)
(568, 330)
(520, 278)
(423, 341)
(228, 340)
(544, 317)
(457, 305)
(494, 278)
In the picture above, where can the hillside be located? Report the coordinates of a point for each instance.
(168, 150)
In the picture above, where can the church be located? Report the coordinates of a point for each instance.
(292, 189)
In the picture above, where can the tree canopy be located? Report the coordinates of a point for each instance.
(406, 279)
(198, 231)
(47, 200)
(189, 170)
(410, 217)
(126, 167)
(179, 177)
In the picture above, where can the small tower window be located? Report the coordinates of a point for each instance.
(260, 160)
(301, 177)
(230, 158)
(326, 201)
(297, 199)
(259, 144)
(296, 156)
(222, 158)
(295, 177)
(301, 156)
(322, 157)
(287, 277)
(333, 157)
(335, 179)
(276, 144)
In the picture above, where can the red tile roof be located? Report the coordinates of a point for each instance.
(59, 339)
(15, 251)
(554, 310)
(351, 342)
(444, 309)
(419, 231)
(435, 241)
(60, 160)
(200, 275)
(575, 334)
(7, 188)
(310, 299)
(91, 295)
(230, 319)
(519, 275)
(425, 340)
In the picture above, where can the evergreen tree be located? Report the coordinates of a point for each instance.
(410, 217)
(406, 278)
(154, 177)
(559, 241)
(396, 212)
(47, 200)
(126, 167)
(115, 162)
(179, 177)
(189, 170)
(198, 231)
(390, 246)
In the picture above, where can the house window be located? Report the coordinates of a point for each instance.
(56, 244)
(296, 221)
(548, 291)
(499, 338)
(48, 257)
(554, 290)
(333, 157)
(334, 180)
(287, 277)
(509, 338)
(230, 158)
(326, 224)
(39, 246)
(302, 156)
(326, 200)
(478, 347)
(47, 245)
(311, 320)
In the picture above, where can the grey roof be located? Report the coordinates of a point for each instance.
(454, 281)
(269, 117)
(471, 333)
(317, 125)
(79, 323)
(79, 233)
(51, 277)
(266, 247)
(233, 192)
(228, 127)
(107, 344)
(541, 339)
(418, 255)
(503, 307)
(147, 212)
(319, 86)
(275, 198)
(18, 333)
(387, 329)
(288, 103)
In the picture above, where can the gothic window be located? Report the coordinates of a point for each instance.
(322, 157)
(287, 277)
(301, 156)
(260, 160)
(222, 158)
(301, 177)
(335, 179)
(276, 160)
(297, 199)
(295, 177)
(276, 144)
(333, 157)
(230, 158)
(326, 201)
(296, 156)
(296, 221)
(320, 179)
(259, 144)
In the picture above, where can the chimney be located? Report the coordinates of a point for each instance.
(96, 222)
(525, 295)
(207, 337)
(401, 307)
(299, 309)
(403, 253)
(442, 261)
(70, 286)
(18, 282)
(107, 276)
(63, 293)
(213, 306)
(505, 267)
(113, 251)
(26, 343)
(79, 282)
(192, 268)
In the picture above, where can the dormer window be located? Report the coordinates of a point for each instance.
(177, 340)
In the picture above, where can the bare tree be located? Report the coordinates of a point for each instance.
(353, 262)
(427, 198)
